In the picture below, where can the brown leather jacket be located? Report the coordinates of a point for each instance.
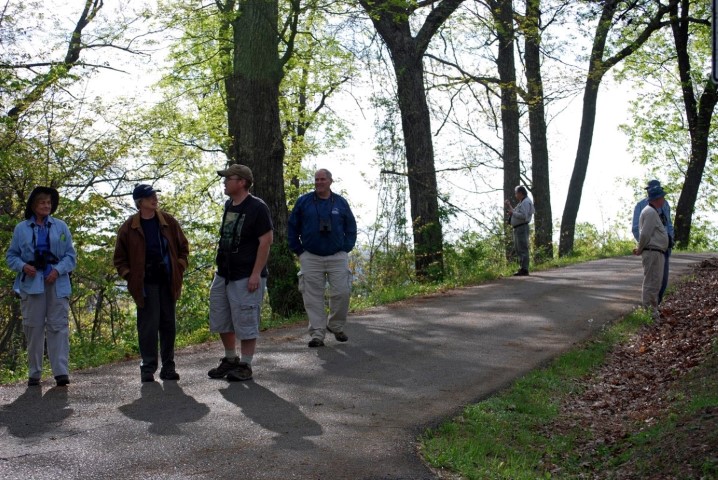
(129, 258)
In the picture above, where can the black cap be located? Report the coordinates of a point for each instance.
(143, 191)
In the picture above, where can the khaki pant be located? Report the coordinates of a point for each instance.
(316, 272)
(44, 317)
(652, 278)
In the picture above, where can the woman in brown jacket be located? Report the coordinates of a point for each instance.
(151, 254)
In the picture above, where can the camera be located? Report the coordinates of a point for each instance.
(325, 225)
(43, 258)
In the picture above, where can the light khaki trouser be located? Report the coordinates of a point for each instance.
(315, 273)
(44, 317)
(652, 278)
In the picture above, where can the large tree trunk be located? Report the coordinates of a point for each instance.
(423, 193)
(699, 116)
(503, 14)
(597, 68)
(392, 21)
(541, 189)
(257, 138)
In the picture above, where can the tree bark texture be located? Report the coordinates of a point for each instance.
(541, 188)
(698, 114)
(254, 126)
(596, 70)
(503, 14)
(392, 22)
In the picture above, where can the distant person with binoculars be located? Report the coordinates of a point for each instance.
(151, 253)
(322, 232)
(42, 253)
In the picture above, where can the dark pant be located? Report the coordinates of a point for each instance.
(664, 283)
(157, 317)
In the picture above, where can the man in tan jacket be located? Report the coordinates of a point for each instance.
(151, 253)
(652, 245)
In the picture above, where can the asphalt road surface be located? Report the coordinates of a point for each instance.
(346, 411)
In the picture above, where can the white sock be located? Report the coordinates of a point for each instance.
(247, 359)
(229, 354)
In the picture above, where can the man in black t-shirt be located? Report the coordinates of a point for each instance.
(237, 291)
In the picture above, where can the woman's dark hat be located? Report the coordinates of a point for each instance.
(54, 200)
(655, 193)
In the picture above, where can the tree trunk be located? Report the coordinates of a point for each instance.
(423, 193)
(541, 189)
(257, 138)
(392, 21)
(503, 14)
(699, 116)
(597, 68)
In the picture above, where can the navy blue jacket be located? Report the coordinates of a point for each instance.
(305, 225)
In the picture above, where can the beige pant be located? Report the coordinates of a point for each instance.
(652, 277)
(315, 274)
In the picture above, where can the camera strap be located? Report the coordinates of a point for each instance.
(331, 206)
(46, 232)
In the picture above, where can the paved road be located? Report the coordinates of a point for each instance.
(346, 411)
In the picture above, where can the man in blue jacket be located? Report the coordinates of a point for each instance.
(322, 232)
(665, 216)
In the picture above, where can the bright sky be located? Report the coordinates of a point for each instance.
(607, 197)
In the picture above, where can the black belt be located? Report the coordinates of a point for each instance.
(520, 225)
(655, 250)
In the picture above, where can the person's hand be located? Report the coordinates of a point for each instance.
(636, 252)
(253, 282)
(52, 276)
(29, 270)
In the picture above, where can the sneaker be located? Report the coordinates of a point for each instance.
(62, 380)
(169, 373)
(147, 377)
(316, 342)
(242, 372)
(521, 273)
(225, 366)
(33, 382)
(340, 336)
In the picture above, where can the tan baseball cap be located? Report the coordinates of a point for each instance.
(238, 170)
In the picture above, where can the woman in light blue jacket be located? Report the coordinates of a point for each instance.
(41, 252)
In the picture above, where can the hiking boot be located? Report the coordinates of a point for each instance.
(147, 377)
(62, 380)
(242, 372)
(340, 336)
(168, 373)
(316, 342)
(225, 366)
(33, 382)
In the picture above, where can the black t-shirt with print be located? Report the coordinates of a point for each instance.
(242, 225)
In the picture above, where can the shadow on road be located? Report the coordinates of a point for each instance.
(290, 424)
(33, 414)
(165, 407)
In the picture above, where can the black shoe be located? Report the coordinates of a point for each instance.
(340, 336)
(169, 373)
(62, 380)
(316, 342)
(147, 377)
(241, 373)
(521, 273)
(33, 382)
(225, 366)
